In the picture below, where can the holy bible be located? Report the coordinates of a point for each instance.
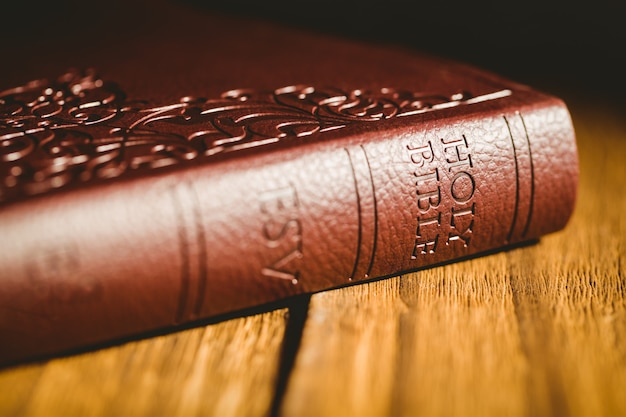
(213, 165)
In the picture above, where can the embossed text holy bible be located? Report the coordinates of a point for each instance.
(214, 166)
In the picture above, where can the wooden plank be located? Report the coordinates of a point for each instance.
(433, 341)
(535, 331)
(225, 369)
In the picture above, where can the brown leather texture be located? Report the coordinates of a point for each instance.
(215, 164)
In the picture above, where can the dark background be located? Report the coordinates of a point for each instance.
(566, 48)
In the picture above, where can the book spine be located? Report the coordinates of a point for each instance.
(106, 262)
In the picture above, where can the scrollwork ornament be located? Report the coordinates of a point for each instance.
(80, 127)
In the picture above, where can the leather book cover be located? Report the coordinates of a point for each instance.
(196, 164)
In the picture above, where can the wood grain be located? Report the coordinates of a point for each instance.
(536, 331)
(225, 369)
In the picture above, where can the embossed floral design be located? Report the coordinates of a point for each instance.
(80, 127)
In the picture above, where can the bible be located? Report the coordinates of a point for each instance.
(217, 164)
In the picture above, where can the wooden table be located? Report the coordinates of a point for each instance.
(535, 331)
